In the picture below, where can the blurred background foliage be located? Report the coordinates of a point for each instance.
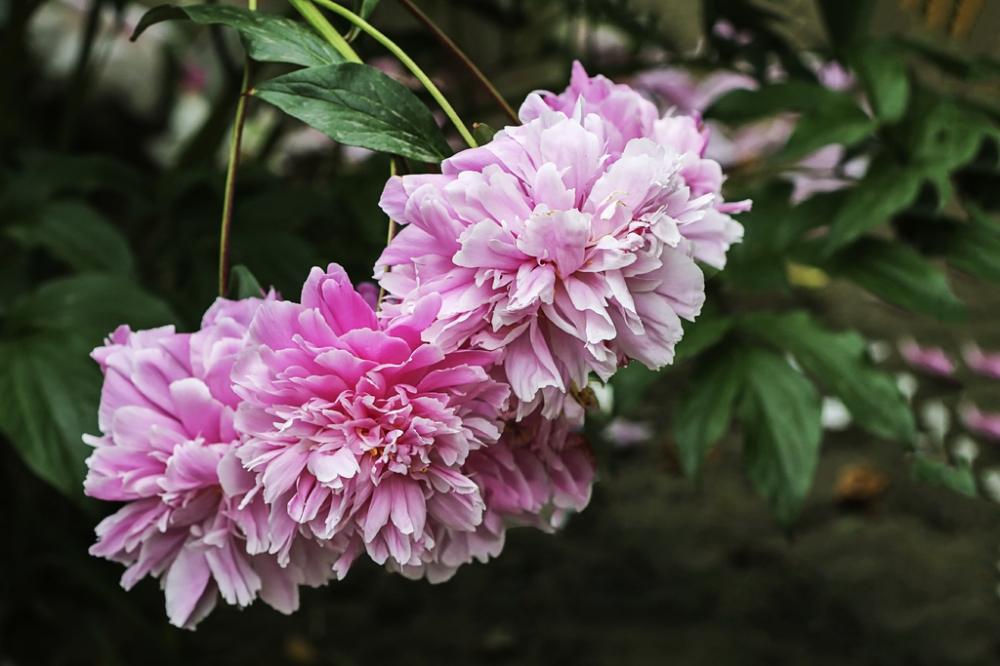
(865, 132)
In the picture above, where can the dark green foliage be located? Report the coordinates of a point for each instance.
(899, 275)
(779, 414)
(705, 410)
(958, 478)
(266, 37)
(839, 362)
(51, 387)
(359, 106)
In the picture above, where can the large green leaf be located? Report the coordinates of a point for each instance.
(885, 76)
(943, 135)
(839, 361)
(50, 387)
(975, 247)
(780, 416)
(50, 391)
(898, 275)
(358, 105)
(88, 307)
(705, 409)
(887, 189)
(77, 234)
(266, 37)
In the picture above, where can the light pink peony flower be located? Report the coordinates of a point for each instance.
(985, 364)
(546, 249)
(166, 412)
(932, 361)
(357, 432)
(627, 115)
(537, 472)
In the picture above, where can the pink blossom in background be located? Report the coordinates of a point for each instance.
(931, 361)
(627, 115)
(356, 431)
(623, 433)
(985, 364)
(166, 415)
(822, 171)
(985, 424)
(542, 247)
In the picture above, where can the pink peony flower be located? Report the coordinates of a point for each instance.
(980, 423)
(546, 249)
(166, 416)
(357, 433)
(985, 364)
(932, 361)
(627, 115)
(537, 472)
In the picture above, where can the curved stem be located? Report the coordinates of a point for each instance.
(323, 27)
(406, 60)
(234, 162)
(462, 58)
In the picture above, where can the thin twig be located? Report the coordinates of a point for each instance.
(462, 58)
(234, 162)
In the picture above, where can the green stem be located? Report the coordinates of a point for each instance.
(234, 162)
(323, 27)
(392, 232)
(466, 62)
(406, 60)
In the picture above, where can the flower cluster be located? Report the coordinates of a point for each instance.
(284, 439)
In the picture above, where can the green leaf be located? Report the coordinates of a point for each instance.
(742, 106)
(898, 275)
(51, 392)
(887, 189)
(840, 362)
(843, 124)
(701, 334)
(243, 284)
(705, 409)
(483, 133)
(944, 136)
(846, 21)
(88, 306)
(266, 37)
(47, 175)
(358, 105)
(50, 386)
(885, 76)
(364, 8)
(78, 235)
(975, 247)
(780, 416)
(939, 473)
